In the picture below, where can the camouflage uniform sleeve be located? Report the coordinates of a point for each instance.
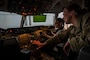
(59, 38)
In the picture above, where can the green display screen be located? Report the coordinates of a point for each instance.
(39, 18)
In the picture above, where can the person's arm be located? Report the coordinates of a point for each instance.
(66, 48)
(46, 35)
(61, 37)
(52, 33)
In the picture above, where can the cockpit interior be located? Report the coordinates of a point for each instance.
(22, 23)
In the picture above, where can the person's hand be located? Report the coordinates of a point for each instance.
(66, 47)
(38, 43)
(41, 45)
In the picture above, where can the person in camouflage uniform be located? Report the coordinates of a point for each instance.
(83, 39)
(71, 15)
(76, 36)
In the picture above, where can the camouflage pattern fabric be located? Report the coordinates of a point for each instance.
(78, 36)
(82, 38)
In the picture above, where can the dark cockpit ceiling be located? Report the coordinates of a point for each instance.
(35, 6)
